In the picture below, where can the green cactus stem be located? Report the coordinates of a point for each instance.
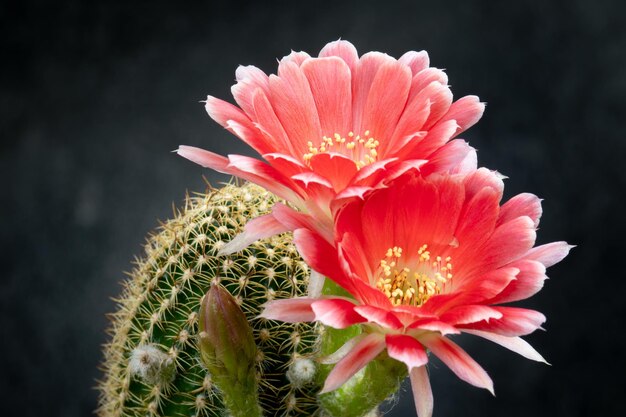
(152, 363)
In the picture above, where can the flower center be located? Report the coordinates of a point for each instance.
(413, 286)
(361, 149)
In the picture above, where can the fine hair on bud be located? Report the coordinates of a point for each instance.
(301, 372)
(151, 365)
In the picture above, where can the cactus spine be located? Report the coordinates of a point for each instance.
(152, 363)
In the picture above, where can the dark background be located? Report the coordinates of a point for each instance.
(95, 95)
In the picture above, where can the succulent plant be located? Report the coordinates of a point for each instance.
(153, 364)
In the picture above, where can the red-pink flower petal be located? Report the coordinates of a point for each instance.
(294, 105)
(436, 137)
(466, 111)
(336, 168)
(406, 349)
(380, 316)
(292, 310)
(550, 253)
(296, 58)
(256, 171)
(417, 61)
(249, 79)
(336, 312)
(344, 50)
(340, 353)
(320, 256)
(448, 158)
(483, 178)
(510, 241)
(364, 352)
(514, 322)
(434, 325)
(528, 281)
(362, 80)
(521, 205)
(479, 286)
(267, 122)
(470, 314)
(286, 164)
(257, 228)
(389, 91)
(514, 344)
(458, 361)
(422, 393)
(331, 86)
(425, 78)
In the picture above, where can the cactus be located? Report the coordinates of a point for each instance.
(152, 364)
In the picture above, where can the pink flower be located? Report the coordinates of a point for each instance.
(426, 258)
(336, 126)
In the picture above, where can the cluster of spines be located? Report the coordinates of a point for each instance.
(159, 308)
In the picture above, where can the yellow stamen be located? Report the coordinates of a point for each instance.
(362, 150)
(406, 286)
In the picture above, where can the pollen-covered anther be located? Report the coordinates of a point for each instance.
(361, 149)
(415, 283)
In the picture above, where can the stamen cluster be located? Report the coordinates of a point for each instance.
(362, 150)
(405, 288)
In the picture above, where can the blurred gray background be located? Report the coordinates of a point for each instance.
(94, 96)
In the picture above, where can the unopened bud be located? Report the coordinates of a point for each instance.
(228, 350)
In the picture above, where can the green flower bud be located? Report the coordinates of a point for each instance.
(228, 351)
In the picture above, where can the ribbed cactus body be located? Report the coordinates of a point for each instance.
(152, 364)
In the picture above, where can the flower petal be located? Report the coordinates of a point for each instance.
(331, 86)
(247, 168)
(434, 325)
(514, 344)
(550, 253)
(382, 317)
(336, 312)
(294, 105)
(230, 117)
(406, 349)
(470, 314)
(336, 168)
(515, 321)
(344, 50)
(364, 352)
(525, 204)
(417, 61)
(448, 158)
(340, 353)
(257, 228)
(249, 79)
(528, 281)
(291, 310)
(422, 392)
(458, 361)
(316, 284)
(389, 91)
(466, 111)
(362, 80)
(320, 256)
(267, 122)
